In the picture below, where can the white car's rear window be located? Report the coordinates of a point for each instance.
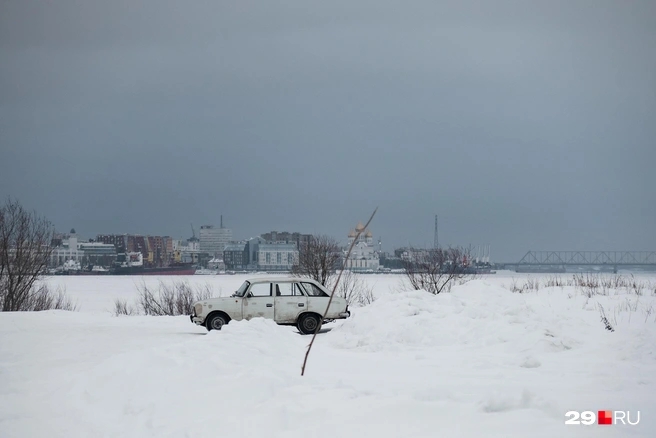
(313, 291)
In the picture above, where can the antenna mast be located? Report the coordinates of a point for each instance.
(436, 242)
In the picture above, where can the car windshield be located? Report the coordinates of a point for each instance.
(242, 289)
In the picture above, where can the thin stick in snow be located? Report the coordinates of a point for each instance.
(332, 294)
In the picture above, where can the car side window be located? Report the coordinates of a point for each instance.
(313, 291)
(298, 290)
(286, 290)
(260, 290)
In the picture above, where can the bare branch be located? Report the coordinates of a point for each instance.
(24, 252)
(332, 294)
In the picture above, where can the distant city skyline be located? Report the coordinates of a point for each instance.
(343, 239)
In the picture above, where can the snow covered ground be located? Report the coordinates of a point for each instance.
(480, 361)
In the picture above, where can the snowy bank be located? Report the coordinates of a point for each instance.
(480, 361)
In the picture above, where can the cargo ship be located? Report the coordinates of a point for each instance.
(131, 263)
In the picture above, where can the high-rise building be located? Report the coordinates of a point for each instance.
(214, 240)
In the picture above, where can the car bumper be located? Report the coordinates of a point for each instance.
(345, 314)
(196, 320)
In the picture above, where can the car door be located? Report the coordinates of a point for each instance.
(289, 302)
(258, 302)
(318, 300)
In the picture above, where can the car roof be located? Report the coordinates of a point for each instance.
(279, 279)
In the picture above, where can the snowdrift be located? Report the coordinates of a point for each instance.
(479, 361)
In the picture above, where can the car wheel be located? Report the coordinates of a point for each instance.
(308, 323)
(215, 322)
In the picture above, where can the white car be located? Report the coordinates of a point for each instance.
(286, 300)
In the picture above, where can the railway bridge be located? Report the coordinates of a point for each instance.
(544, 260)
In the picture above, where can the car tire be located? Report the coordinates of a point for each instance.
(308, 323)
(216, 321)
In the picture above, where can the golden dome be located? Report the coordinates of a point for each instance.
(351, 233)
(360, 227)
(369, 234)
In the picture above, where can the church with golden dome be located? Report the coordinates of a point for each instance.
(363, 256)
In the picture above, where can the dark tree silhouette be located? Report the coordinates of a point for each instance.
(317, 259)
(24, 252)
(434, 270)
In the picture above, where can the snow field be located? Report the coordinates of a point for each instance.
(479, 361)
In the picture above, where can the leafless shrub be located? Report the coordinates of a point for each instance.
(24, 252)
(433, 270)
(531, 284)
(608, 283)
(636, 286)
(366, 297)
(554, 281)
(587, 280)
(317, 259)
(354, 289)
(121, 307)
(597, 284)
(514, 287)
(170, 299)
(617, 281)
(589, 284)
(43, 298)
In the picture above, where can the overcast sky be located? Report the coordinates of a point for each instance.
(523, 125)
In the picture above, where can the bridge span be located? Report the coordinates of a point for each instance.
(607, 259)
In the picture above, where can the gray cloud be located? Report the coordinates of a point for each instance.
(525, 125)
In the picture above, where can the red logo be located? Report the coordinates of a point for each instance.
(587, 418)
(605, 417)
